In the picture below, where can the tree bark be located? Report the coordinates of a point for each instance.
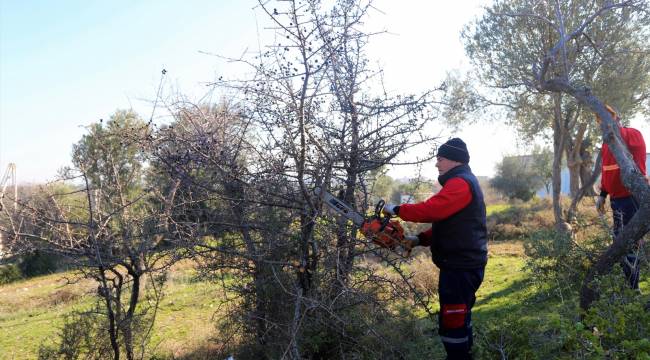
(574, 161)
(586, 189)
(105, 292)
(559, 143)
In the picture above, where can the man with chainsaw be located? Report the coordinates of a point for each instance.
(458, 241)
(623, 204)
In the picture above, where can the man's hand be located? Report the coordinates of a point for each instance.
(600, 204)
(389, 209)
(411, 241)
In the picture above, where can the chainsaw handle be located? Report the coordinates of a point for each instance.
(378, 215)
(379, 207)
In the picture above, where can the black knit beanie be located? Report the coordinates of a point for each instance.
(454, 149)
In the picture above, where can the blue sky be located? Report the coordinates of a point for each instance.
(65, 64)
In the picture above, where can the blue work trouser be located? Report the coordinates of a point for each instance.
(623, 209)
(457, 294)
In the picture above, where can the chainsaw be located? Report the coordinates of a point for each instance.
(380, 229)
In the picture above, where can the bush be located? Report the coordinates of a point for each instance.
(9, 273)
(615, 327)
(425, 275)
(39, 263)
(619, 318)
(81, 337)
(519, 177)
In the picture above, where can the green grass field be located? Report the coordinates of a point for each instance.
(31, 311)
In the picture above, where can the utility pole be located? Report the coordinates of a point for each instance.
(8, 177)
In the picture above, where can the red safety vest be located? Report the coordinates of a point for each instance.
(611, 178)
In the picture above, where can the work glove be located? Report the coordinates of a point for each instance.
(411, 241)
(600, 204)
(390, 209)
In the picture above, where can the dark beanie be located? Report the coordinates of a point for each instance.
(454, 149)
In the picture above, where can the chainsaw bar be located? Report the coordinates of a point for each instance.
(340, 207)
(375, 224)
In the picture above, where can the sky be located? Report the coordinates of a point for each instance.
(66, 64)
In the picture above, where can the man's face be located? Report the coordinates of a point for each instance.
(444, 164)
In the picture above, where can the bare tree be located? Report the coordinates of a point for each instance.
(313, 114)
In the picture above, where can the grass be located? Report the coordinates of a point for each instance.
(31, 312)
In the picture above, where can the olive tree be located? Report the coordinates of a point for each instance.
(516, 41)
(562, 61)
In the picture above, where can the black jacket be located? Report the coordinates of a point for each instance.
(460, 241)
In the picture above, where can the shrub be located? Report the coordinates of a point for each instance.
(615, 327)
(39, 263)
(9, 273)
(619, 318)
(519, 177)
(81, 337)
(425, 275)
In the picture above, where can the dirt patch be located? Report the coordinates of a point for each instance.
(63, 296)
(506, 248)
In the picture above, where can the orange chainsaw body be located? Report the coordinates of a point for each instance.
(388, 236)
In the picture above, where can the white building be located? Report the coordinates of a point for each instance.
(565, 180)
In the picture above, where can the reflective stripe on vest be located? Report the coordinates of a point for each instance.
(450, 340)
(610, 167)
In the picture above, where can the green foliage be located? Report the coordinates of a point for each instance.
(503, 47)
(554, 259)
(9, 273)
(616, 327)
(496, 208)
(617, 324)
(83, 335)
(418, 188)
(519, 177)
(111, 156)
(391, 337)
(39, 263)
(80, 338)
(383, 186)
(620, 317)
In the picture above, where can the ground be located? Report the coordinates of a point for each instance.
(31, 311)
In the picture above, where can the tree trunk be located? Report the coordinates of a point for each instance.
(559, 143)
(574, 160)
(105, 292)
(587, 169)
(259, 312)
(586, 189)
(129, 319)
(295, 325)
(352, 177)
